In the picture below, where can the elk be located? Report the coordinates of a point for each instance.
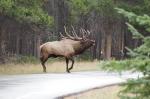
(68, 47)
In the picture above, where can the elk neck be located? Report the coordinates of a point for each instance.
(80, 47)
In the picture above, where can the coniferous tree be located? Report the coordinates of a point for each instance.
(139, 60)
(28, 11)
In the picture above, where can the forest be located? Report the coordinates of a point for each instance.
(25, 25)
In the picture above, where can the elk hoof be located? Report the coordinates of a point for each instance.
(68, 71)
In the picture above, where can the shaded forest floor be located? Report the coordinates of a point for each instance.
(53, 67)
(98, 93)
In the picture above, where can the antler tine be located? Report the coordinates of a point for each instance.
(83, 33)
(74, 33)
(67, 33)
(88, 32)
(62, 35)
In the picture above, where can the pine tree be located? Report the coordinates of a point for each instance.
(26, 11)
(139, 60)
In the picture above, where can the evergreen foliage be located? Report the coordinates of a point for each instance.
(140, 60)
(86, 6)
(28, 11)
(106, 7)
(83, 8)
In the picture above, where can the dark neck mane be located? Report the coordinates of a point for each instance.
(81, 48)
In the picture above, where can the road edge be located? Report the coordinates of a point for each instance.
(84, 91)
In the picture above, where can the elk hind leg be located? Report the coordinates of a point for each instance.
(43, 60)
(67, 62)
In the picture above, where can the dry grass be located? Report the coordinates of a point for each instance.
(53, 67)
(101, 93)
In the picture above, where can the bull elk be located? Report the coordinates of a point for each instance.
(67, 47)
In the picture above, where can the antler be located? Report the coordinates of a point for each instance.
(74, 32)
(67, 34)
(85, 34)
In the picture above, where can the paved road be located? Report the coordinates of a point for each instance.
(50, 86)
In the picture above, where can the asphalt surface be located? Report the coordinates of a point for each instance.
(51, 86)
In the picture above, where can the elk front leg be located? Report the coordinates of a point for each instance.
(67, 62)
(72, 63)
